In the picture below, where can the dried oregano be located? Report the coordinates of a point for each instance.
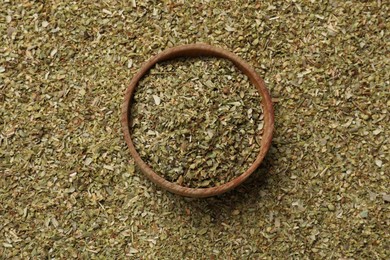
(197, 121)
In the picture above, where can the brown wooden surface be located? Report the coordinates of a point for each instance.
(196, 50)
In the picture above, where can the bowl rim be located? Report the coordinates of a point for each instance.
(197, 50)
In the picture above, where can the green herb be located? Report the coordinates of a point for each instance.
(197, 121)
(69, 187)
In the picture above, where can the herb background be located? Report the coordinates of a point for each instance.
(68, 185)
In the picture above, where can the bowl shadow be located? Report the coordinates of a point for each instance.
(220, 207)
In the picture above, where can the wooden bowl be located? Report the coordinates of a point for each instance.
(196, 50)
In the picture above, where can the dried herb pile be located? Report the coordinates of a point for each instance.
(197, 122)
(69, 187)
